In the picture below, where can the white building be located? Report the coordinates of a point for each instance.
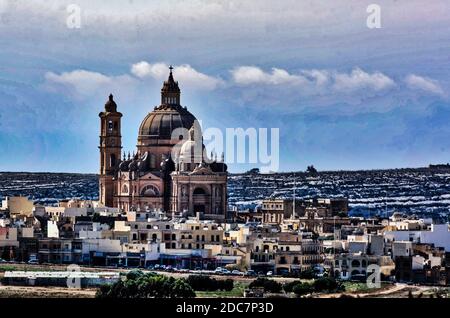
(439, 235)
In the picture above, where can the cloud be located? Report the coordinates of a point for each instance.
(314, 81)
(184, 73)
(247, 75)
(358, 79)
(424, 83)
(83, 83)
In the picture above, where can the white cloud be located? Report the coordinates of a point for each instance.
(248, 75)
(314, 81)
(184, 73)
(83, 83)
(358, 79)
(424, 83)
(144, 69)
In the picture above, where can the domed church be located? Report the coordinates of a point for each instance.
(169, 171)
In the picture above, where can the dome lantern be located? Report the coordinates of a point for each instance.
(170, 92)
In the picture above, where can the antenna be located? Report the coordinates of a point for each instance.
(293, 201)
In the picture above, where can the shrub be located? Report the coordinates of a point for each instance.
(326, 284)
(226, 285)
(302, 289)
(269, 285)
(288, 287)
(134, 274)
(140, 285)
(206, 283)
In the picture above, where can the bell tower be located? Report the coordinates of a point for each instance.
(110, 149)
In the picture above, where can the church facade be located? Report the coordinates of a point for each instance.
(169, 171)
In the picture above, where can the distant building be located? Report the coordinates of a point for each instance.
(18, 206)
(277, 210)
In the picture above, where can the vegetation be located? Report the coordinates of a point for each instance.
(269, 285)
(237, 291)
(320, 285)
(206, 283)
(150, 285)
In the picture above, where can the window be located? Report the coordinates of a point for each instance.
(150, 191)
(112, 160)
(218, 238)
(199, 191)
(110, 125)
(174, 237)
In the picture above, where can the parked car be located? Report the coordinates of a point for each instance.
(156, 267)
(33, 261)
(226, 272)
(218, 271)
(236, 272)
(2, 260)
(169, 268)
(269, 273)
(250, 273)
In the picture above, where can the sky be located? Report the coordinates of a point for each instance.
(344, 96)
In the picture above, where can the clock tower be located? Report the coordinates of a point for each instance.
(110, 149)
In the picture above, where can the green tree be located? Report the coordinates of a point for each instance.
(269, 285)
(140, 285)
(302, 289)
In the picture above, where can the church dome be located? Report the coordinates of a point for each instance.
(170, 115)
(161, 122)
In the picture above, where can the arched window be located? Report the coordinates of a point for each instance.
(355, 263)
(150, 191)
(125, 188)
(199, 191)
(154, 237)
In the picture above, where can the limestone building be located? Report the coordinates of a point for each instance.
(169, 171)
